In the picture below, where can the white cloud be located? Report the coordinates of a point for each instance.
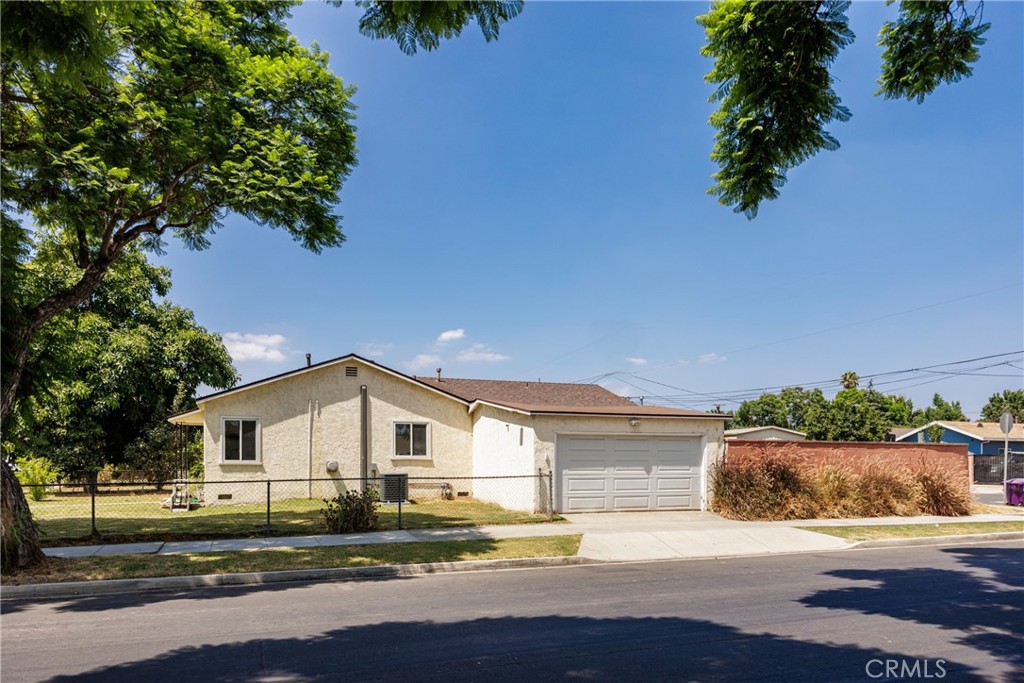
(246, 346)
(372, 349)
(450, 335)
(710, 358)
(633, 360)
(480, 353)
(424, 361)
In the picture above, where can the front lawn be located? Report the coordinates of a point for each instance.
(874, 533)
(56, 570)
(123, 518)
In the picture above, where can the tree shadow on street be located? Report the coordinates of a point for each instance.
(985, 603)
(515, 649)
(130, 599)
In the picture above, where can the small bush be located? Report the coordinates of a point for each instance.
(833, 484)
(36, 473)
(770, 489)
(352, 512)
(940, 493)
(884, 491)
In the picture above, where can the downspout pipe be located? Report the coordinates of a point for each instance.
(364, 427)
(309, 447)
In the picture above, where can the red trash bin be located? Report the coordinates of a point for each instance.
(1014, 491)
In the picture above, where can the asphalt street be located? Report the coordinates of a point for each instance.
(952, 613)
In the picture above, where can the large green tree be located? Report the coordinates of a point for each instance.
(121, 363)
(191, 110)
(792, 408)
(1010, 399)
(940, 409)
(127, 122)
(776, 92)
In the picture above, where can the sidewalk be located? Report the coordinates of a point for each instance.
(606, 537)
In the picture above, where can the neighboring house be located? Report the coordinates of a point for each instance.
(897, 433)
(766, 433)
(982, 438)
(349, 418)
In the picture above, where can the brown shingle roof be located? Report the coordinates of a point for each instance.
(551, 397)
(528, 393)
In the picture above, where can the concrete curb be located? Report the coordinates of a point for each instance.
(939, 540)
(73, 589)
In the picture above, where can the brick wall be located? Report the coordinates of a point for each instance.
(857, 455)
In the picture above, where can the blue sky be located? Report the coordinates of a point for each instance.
(536, 208)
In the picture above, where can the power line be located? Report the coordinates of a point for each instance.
(738, 396)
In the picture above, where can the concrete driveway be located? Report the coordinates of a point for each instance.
(620, 536)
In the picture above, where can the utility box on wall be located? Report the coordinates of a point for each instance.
(394, 488)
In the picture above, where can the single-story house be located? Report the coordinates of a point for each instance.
(766, 433)
(350, 418)
(982, 438)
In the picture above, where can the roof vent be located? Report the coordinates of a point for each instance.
(351, 371)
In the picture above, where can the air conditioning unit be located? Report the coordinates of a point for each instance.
(394, 488)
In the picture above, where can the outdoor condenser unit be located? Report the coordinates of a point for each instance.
(394, 488)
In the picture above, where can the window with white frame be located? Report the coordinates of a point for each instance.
(240, 440)
(412, 440)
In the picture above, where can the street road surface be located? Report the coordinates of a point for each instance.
(952, 613)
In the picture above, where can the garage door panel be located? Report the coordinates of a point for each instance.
(581, 504)
(674, 484)
(624, 503)
(677, 471)
(631, 466)
(675, 502)
(581, 485)
(618, 473)
(631, 484)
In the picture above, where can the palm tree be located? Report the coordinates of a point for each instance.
(850, 379)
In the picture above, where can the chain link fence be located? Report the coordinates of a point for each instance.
(122, 511)
(988, 469)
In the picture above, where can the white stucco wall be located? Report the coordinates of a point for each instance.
(503, 446)
(313, 417)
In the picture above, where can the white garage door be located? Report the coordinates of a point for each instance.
(611, 474)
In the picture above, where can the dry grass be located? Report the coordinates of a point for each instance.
(140, 566)
(873, 533)
(775, 489)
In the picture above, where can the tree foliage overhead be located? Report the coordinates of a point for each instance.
(414, 24)
(117, 366)
(775, 91)
(931, 43)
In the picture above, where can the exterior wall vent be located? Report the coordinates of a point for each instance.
(223, 496)
(351, 371)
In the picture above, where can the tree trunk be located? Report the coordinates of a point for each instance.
(20, 546)
(20, 541)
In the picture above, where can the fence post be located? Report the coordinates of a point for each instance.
(400, 512)
(92, 497)
(268, 507)
(551, 496)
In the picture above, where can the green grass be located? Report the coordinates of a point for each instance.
(874, 533)
(123, 518)
(56, 570)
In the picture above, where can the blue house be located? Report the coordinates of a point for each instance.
(982, 438)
